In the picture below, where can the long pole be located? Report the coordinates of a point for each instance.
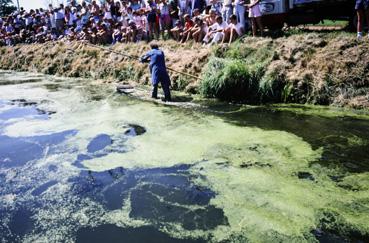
(18, 5)
(135, 58)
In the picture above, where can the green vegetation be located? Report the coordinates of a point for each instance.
(6, 7)
(238, 73)
(302, 68)
(328, 22)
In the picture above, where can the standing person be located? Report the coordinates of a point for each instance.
(240, 11)
(152, 22)
(165, 20)
(255, 16)
(198, 5)
(227, 10)
(362, 10)
(158, 71)
(59, 19)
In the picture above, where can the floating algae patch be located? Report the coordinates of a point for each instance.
(126, 168)
(265, 205)
(205, 138)
(324, 111)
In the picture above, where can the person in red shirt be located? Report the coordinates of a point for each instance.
(187, 28)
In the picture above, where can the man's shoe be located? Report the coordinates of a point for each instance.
(166, 100)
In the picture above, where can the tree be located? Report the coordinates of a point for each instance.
(6, 7)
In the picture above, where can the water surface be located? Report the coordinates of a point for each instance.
(80, 163)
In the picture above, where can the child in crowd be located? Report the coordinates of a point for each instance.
(233, 31)
(216, 31)
(187, 28)
(199, 30)
(177, 30)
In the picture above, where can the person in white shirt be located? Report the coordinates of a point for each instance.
(216, 31)
(59, 19)
(52, 21)
(233, 31)
(255, 16)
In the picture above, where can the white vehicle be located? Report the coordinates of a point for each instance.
(276, 13)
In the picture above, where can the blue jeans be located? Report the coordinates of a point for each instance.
(240, 13)
(361, 4)
(166, 90)
(227, 12)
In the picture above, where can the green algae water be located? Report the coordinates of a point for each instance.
(80, 163)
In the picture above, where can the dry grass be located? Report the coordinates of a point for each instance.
(77, 60)
(315, 68)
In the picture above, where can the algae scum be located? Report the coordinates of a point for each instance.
(80, 163)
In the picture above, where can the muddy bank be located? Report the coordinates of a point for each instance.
(78, 60)
(314, 68)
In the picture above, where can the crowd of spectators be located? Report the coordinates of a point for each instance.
(111, 21)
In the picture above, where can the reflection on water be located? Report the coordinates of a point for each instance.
(74, 167)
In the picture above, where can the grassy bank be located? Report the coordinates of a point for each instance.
(324, 69)
(313, 68)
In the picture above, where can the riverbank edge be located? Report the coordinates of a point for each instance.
(313, 68)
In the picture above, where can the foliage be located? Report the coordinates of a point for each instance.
(6, 7)
(237, 73)
(229, 79)
(127, 73)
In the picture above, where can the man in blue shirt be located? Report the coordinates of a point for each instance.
(158, 71)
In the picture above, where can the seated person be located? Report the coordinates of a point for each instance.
(84, 35)
(211, 18)
(117, 34)
(72, 35)
(233, 31)
(216, 31)
(199, 30)
(93, 35)
(187, 28)
(131, 31)
(177, 30)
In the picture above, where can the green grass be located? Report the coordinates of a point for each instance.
(329, 23)
(237, 73)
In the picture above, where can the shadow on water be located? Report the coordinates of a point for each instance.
(103, 144)
(20, 150)
(99, 142)
(345, 140)
(156, 195)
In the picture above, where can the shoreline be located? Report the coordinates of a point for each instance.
(327, 69)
